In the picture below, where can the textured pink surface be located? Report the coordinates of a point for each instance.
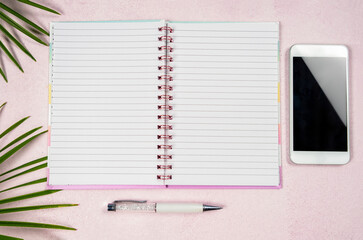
(316, 202)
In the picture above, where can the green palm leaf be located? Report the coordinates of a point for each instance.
(12, 58)
(12, 127)
(3, 75)
(18, 147)
(27, 196)
(17, 43)
(31, 208)
(21, 137)
(24, 19)
(26, 138)
(33, 225)
(39, 6)
(41, 180)
(3, 237)
(2, 105)
(20, 28)
(44, 165)
(25, 165)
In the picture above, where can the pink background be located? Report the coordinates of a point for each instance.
(316, 202)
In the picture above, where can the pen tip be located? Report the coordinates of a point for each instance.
(210, 208)
(111, 207)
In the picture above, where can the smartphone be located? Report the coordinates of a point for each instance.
(319, 107)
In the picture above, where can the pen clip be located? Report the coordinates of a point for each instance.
(130, 201)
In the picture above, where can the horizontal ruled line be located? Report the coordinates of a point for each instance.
(175, 52)
(103, 84)
(176, 43)
(162, 169)
(133, 66)
(106, 29)
(156, 110)
(229, 155)
(122, 54)
(87, 116)
(64, 72)
(54, 160)
(228, 68)
(88, 41)
(104, 35)
(103, 60)
(157, 91)
(110, 122)
(172, 174)
(228, 37)
(102, 79)
(224, 74)
(211, 55)
(170, 141)
(104, 47)
(207, 30)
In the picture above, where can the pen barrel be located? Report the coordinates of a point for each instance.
(179, 207)
(135, 207)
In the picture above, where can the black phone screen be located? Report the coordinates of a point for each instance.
(319, 104)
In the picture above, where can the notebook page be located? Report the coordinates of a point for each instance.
(103, 103)
(225, 106)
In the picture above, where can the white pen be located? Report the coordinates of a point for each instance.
(144, 206)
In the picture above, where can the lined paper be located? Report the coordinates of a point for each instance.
(104, 104)
(104, 98)
(225, 106)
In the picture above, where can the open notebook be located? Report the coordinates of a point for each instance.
(164, 104)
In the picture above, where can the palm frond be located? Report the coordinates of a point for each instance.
(39, 6)
(18, 144)
(12, 58)
(2, 105)
(20, 28)
(41, 180)
(25, 165)
(21, 137)
(3, 237)
(24, 19)
(17, 43)
(44, 165)
(3, 75)
(27, 196)
(31, 208)
(33, 225)
(18, 147)
(12, 127)
(5, 13)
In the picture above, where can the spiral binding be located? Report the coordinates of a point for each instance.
(165, 107)
(169, 127)
(165, 117)
(161, 87)
(164, 177)
(164, 136)
(165, 78)
(166, 97)
(164, 167)
(167, 48)
(167, 58)
(166, 28)
(166, 38)
(165, 147)
(164, 156)
(166, 67)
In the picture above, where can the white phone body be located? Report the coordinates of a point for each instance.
(317, 157)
